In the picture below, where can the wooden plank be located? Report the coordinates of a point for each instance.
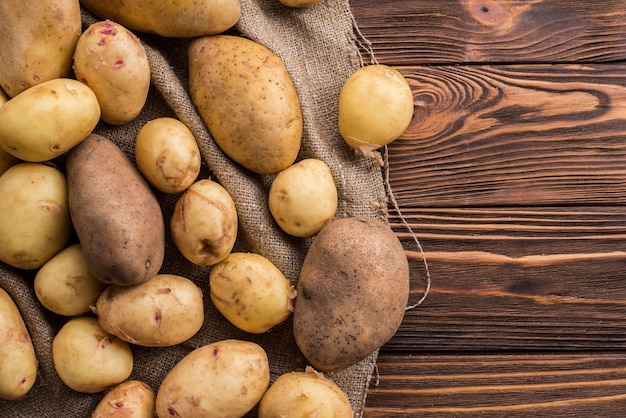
(513, 135)
(511, 385)
(409, 32)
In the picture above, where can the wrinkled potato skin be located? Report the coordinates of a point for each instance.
(224, 379)
(164, 311)
(172, 19)
(352, 292)
(38, 41)
(18, 363)
(248, 101)
(113, 63)
(130, 399)
(117, 218)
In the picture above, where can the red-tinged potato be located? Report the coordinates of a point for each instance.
(111, 60)
(18, 363)
(130, 399)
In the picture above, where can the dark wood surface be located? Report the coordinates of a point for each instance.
(513, 178)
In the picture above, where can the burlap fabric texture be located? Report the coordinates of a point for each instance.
(319, 46)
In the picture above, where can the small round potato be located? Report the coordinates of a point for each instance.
(130, 399)
(34, 215)
(65, 285)
(204, 223)
(223, 379)
(303, 198)
(375, 108)
(305, 394)
(167, 155)
(251, 292)
(88, 359)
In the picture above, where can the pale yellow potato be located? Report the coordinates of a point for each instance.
(304, 394)
(172, 19)
(167, 155)
(166, 310)
(48, 119)
(303, 198)
(18, 362)
(111, 60)
(375, 108)
(130, 399)
(224, 379)
(204, 223)
(65, 284)
(88, 359)
(300, 3)
(6, 160)
(247, 100)
(35, 220)
(251, 292)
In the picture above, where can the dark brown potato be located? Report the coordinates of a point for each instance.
(352, 292)
(116, 216)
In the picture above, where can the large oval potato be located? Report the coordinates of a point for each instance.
(111, 60)
(18, 363)
(247, 100)
(35, 219)
(352, 292)
(48, 119)
(224, 379)
(117, 218)
(130, 399)
(38, 40)
(164, 311)
(172, 19)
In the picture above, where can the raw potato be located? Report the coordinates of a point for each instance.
(224, 379)
(48, 119)
(172, 19)
(6, 160)
(111, 60)
(89, 360)
(164, 311)
(303, 198)
(38, 40)
(305, 394)
(204, 223)
(352, 292)
(18, 363)
(65, 285)
(167, 155)
(375, 108)
(34, 215)
(247, 100)
(130, 399)
(251, 292)
(116, 216)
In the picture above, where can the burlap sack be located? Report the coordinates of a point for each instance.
(319, 46)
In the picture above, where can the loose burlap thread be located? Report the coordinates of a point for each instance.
(319, 46)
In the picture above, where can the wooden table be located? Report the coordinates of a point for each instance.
(513, 177)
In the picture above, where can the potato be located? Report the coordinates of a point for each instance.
(38, 40)
(204, 223)
(3, 97)
(167, 155)
(117, 218)
(251, 292)
(65, 285)
(303, 198)
(164, 311)
(130, 399)
(304, 394)
(247, 100)
(48, 119)
(6, 160)
(34, 215)
(352, 292)
(111, 60)
(375, 108)
(224, 379)
(18, 363)
(89, 360)
(172, 19)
